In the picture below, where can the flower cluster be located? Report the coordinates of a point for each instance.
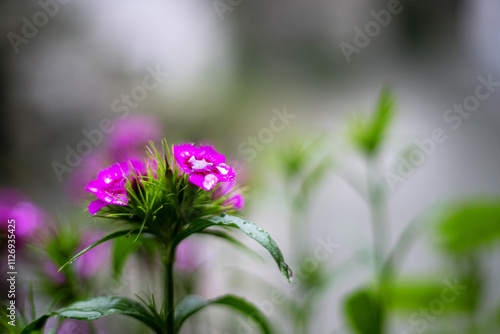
(203, 168)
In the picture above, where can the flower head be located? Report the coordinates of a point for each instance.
(163, 195)
(109, 187)
(205, 166)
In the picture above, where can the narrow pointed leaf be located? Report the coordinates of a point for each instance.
(98, 242)
(97, 308)
(383, 115)
(369, 134)
(190, 305)
(249, 228)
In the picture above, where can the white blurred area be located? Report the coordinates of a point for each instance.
(103, 48)
(482, 31)
(184, 38)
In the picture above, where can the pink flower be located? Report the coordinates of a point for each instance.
(131, 135)
(28, 217)
(128, 140)
(95, 259)
(204, 165)
(109, 187)
(236, 199)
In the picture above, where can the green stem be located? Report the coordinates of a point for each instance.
(169, 291)
(376, 202)
(377, 205)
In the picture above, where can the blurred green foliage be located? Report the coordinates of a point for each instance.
(369, 134)
(412, 294)
(468, 225)
(364, 312)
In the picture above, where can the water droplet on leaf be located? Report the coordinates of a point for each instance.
(290, 273)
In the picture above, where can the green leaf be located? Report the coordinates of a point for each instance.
(189, 305)
(369, 134)
(470, 225)
(232, 240)
(97, 308)
(384, 114)
(411, 294)
(249, 228)
(98, 242)
(364, 312)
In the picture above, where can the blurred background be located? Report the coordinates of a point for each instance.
(220, 71)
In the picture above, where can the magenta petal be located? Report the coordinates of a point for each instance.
(94, 186)
(210, 154)
(205, 165)
(225, 172)
(110, 173)
(96, 205)
(237, 201)
(109, 187)
(206, 182)
(182, 153)
(196, 179)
